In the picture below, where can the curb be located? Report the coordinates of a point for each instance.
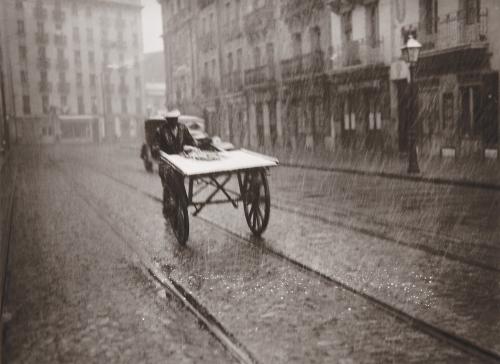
(435, 180)
(392, 175)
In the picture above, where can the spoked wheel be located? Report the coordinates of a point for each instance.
(179, 218)
(256, 200)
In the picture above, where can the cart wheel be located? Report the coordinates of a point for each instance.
(256, 201)
(179, 220)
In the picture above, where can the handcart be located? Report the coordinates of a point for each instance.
(208, 185)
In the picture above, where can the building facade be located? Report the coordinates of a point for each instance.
(76, 69)
(328, 74)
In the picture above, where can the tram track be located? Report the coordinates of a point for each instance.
(418, 324)
(205, 318)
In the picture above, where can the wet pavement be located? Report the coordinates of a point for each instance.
(77, 294)
(280, 312)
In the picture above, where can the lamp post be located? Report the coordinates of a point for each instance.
(411, 51)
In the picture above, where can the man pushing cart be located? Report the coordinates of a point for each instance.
(211, 171)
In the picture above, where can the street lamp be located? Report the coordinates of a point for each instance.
(411, 51)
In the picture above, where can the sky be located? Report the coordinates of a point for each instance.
(151, 26)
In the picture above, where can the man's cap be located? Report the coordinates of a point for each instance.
(172, 114)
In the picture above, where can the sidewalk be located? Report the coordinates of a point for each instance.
(484, 173)
(466, 172)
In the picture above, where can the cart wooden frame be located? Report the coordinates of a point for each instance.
(250, 169)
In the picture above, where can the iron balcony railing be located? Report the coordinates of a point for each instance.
(303, 65)
(260, 75)
(361, 52)
(455, 29)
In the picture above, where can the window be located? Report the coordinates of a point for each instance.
(374, 114)
(429, 14)
(91, 58)
(76, 35)
(93, 79)
(19, 4)
(124, 105)
(78, 58)
(349, 115)
(297, 44)
(26, 105)
(43, 76)
(88, 11)
(42, 52)
(470, 110)
(347, 26)
(64, 100)
(24, 77)
(60, 54)
(81, 105)
(137, 82)
(372, 24)
(79, 79)
(20, 27)
(138, 105)
(472, 11)
(239, 59)
(90, 36)
(40, 26)
(447, 110)
(22, 53)
(256, 57)
(229, 62)
(45, 104)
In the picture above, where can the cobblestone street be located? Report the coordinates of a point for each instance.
(91, 224)
(77, 294)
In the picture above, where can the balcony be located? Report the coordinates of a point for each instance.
(300, 11)
(43, 63)
(62, 64)
(259, 21)
(304, 65)
(208, 87)
(40, 12)
(359, 52)
(63, 87)
(41, 38)
(206, 42)
(259, 75)
(455, 30)
(45, 86)
(60, 40)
